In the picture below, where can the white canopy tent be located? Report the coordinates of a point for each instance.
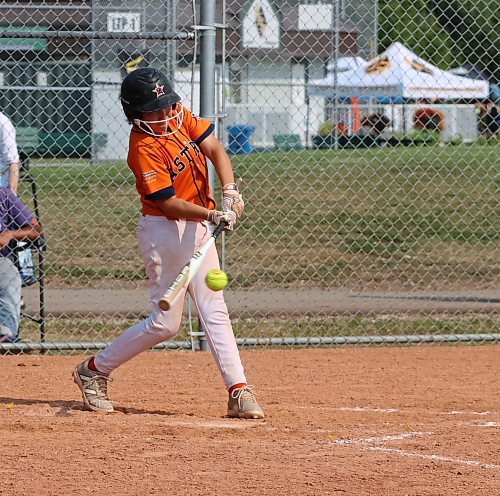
(346, 64)
(398, 74)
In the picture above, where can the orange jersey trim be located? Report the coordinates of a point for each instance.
(172, 164)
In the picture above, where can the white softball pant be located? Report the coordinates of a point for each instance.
(166, 246)
(10, 298)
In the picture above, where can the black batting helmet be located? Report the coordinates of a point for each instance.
(146, 90)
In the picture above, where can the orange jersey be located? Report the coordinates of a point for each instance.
(171, 165)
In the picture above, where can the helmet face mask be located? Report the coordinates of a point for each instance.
(169, 125)
(148, 90)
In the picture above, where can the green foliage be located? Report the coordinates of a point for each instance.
(424, 136)
(413, 24)
(473, 26)
(455, 141)
(326, 129)
(443, 32)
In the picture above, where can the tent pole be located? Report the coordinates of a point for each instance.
(375, 29)
(307, 78)
(336, 27)
(404, 117)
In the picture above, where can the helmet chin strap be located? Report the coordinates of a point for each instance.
(145, 125)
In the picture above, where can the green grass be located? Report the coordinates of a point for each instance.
(391, 212)
(362, 326)
(370, 218)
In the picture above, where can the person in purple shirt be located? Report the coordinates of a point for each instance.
(16, 224)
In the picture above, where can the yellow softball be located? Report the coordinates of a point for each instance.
(216, 279)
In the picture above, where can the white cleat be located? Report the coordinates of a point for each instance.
(243, 404)
(94, 388)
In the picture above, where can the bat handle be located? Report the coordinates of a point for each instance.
(221, 226)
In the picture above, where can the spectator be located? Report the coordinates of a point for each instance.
(373, 125)
(481, 111)
(380, 122)
(9, 156)
(492, 120)
(16, 224)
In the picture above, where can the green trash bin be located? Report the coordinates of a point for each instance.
(287, 142)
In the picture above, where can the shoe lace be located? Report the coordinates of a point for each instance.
(244, 393)
(100, 385)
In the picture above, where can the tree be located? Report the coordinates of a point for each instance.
(473, 25)
(412, 23)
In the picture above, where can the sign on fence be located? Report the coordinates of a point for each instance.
(124, 22)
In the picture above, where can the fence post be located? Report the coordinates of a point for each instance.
(207, 93)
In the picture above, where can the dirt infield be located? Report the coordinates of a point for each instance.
(354, 421)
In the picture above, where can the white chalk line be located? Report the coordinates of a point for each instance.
(371, 440)
(367, 410)
(488, 424)
(362, 409)
(438, 458)
(462, 412)
(214, 424)
(365, 443)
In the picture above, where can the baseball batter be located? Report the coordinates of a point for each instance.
(168, 152)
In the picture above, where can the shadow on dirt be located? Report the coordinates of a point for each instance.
(64, 408)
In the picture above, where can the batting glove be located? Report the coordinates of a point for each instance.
(232, 201)
(216, 217)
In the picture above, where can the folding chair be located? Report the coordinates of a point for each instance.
(28, 256)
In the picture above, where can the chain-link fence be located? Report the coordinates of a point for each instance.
(366, 134)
